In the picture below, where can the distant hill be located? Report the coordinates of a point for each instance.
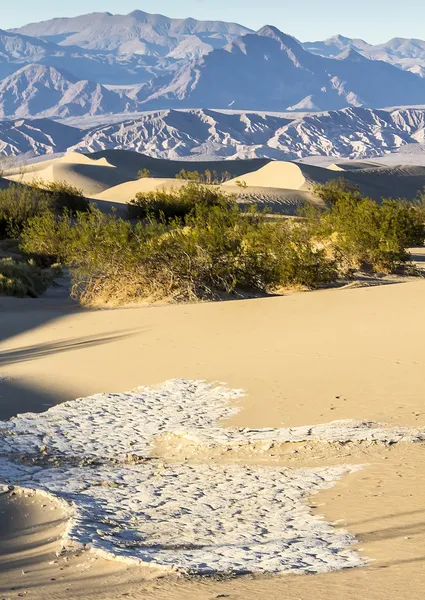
(38, 90)
(352, 133)
(407, 54)
(136, 33)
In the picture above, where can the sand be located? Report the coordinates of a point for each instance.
(277, 174)
(306, 358)
(90, 175)
(110, 178)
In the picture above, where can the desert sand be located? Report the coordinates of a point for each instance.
(110, 178)
(302, 359)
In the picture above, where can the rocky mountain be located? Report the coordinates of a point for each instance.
(407, 54)
(269, 70)
(35, 137)
(137, 33)
(45, 91)
(355, 133)
(112, 64)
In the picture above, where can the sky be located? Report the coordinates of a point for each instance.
(372, 20)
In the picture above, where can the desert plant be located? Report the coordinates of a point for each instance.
(143, 173)
(362, 234)
(242, 184)
(214, 250)
(23, 278)
(64, 195)
(335, 190)
(18, 203)
(207, 177)
(175, 202)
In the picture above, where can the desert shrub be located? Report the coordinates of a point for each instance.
(242, 184)
(207, 177)
(301, 261)
(19, 203)
(335, 190)
(175, 202)
(23, 278)
(362, 234)
(64, 195)
(213, 250)
(419, 204)
(143, 173)
(9, 248)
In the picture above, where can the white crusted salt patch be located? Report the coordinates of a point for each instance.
(199, 519)
(115, 425)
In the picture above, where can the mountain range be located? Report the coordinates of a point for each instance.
(355, 133)
(102, 64)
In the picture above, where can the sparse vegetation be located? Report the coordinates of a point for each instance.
(24, 278)
(207, 177)
(64, 195)
(362, 234)
(175, 202)
(214, 250)
(197, 242)
(242, 184)
(18, 203)
(143, 173)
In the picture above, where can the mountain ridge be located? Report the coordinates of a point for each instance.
(351, 133)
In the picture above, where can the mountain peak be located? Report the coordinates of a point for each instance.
(283, 38)
(339, 38)
(269, 30)
(351, 54)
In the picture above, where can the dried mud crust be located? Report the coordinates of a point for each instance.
(99, 456)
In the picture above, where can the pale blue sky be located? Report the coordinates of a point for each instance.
(373, 20)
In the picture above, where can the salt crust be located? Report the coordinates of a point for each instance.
(197, 519)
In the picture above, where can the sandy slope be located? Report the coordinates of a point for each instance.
(303, 359)
(111, 176)
(91, 175)
(276, 174)
(376, 181)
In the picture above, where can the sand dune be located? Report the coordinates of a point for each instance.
(353, 165)
(126, 191)
(276, 174)
(89, 174)
(374, 181)
(159, 167)
(111, 176)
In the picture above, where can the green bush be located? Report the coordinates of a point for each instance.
(20, 278)
(143, 173)
(214, 250)
(64, 195)
(362, 234)
(18, 203)
(175, 202)
(335, 190)
(207, 177)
